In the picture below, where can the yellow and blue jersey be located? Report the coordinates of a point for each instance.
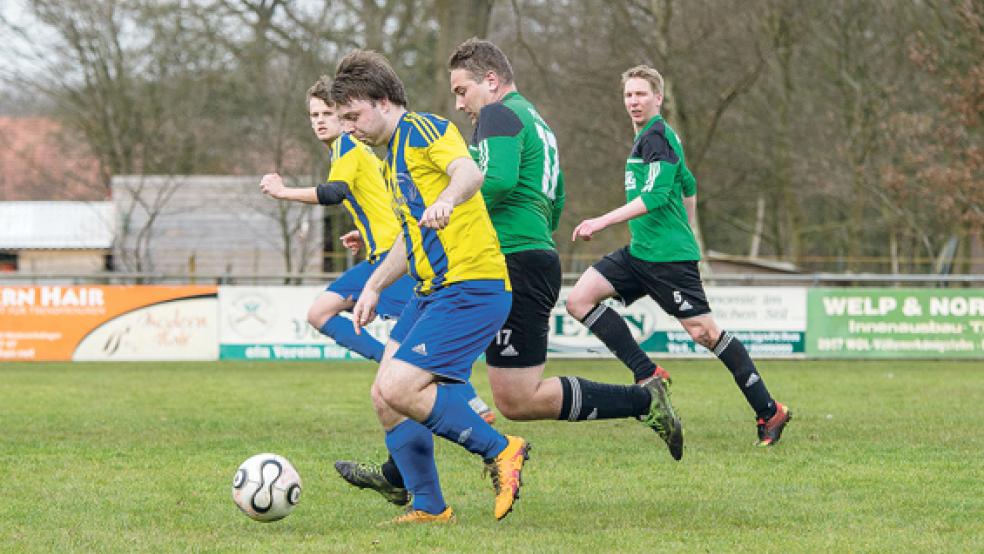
(420, 150)
(366, 197)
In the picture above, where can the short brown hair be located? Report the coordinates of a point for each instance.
(366, 75)
(647, 73)
(479, 57)
(321, 89)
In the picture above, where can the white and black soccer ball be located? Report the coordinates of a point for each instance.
(266, 487)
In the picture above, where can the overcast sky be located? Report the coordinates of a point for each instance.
(12, 45)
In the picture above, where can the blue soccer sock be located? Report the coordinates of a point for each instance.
(452, 418)
(468, 392)
(412, 447)
(340, 328)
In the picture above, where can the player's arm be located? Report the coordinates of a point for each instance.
(655, 176)
(343, 176)
(449, 154)
(392, 268)
(272, 185)
(465, 180)
(587, 228)
(326, 194)
(332, 192)
(499, 146)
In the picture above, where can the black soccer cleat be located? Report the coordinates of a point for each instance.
(370, 476)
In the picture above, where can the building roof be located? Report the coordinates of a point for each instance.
(38, 161)
(56, 225)
(213, 224)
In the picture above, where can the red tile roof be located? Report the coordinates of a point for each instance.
(37, 162)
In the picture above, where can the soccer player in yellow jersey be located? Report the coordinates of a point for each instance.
(356, 182)
(462, 295)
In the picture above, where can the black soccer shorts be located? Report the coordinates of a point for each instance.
(522, 341)
(675, 286)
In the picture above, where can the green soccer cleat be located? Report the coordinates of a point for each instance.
(662, 419)
(370, 476)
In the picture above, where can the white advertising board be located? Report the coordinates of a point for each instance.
(769, 321)
(270, 323)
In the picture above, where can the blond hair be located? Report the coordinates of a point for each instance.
(646, 73)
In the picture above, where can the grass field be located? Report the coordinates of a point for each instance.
(128, 457)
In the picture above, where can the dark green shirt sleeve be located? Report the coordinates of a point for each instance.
(656, 180)
(499, 143)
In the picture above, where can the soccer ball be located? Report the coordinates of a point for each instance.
(266, 487)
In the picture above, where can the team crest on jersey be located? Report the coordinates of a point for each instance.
(405, 183)
(630, 182)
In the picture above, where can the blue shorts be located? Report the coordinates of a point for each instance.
(393, 299)
(444, 332)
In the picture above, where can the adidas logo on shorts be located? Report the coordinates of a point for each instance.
(420, 349)
(681, 302)
(509, 351)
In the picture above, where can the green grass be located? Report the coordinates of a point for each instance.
(885, 456)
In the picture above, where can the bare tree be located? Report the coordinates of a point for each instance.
(457, 21)
(836, 135)
(140, 202)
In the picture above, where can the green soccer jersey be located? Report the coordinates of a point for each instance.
(523, 187)
(657, 173)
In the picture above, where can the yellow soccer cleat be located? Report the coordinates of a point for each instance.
(420, 516)
(506, 470)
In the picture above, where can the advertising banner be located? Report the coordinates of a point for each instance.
(896, 323)
(270, 323)
(769, 321)
(108, 323)
(149, 322)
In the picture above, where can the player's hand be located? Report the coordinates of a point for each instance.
(587, 228)
(352, 241)
(272, 185)
(437, 215)
(364, 310)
